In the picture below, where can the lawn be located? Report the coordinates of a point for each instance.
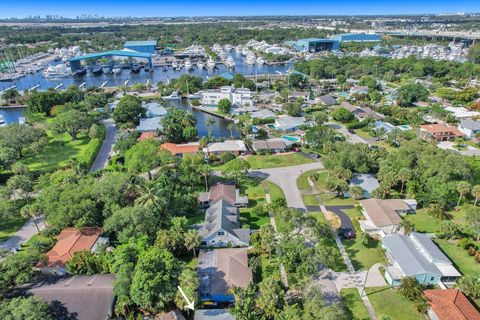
(277, 160)
(10, 224)
(424, 223)
(389, 302)
(275, 191)
(310, 200)
(329, 200)
(302, 181)
(270, 267)
(465, 264)
(354, 303)
(254, 189)
(363, 134)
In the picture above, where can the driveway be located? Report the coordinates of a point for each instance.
(286, 179)
(23, 234)
(470, 151)
(346, 222)
(351, 137)
(104, 152)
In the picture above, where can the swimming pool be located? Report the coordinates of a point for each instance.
(272, 126)
(404, 127)
(290, 138)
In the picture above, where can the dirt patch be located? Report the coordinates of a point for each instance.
(333, 220)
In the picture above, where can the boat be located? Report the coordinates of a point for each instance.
(260, 60)
(97, 69)
(172, 97)
(147, 68)
(116, 69)
(230, 63)
(126, 65)
(107, 68)
(200, 65)
(174, 64)
(210, 63)
(250, 59)
(57, 71)
(3, 123)
(135, 68)
(80, 72)
(188, 64)
(238, 49)
(245, 51)
(197, 95)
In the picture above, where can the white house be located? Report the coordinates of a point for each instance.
(469, 127)
(236, 147)
(289, 123)
(462, 113)
(240, 96)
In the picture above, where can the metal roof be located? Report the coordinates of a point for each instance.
(140, 43)
(120, 53)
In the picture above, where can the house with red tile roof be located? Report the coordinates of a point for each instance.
(450, 304)
(179, 150)
(69, 241)
(147, 135)
(440, 132)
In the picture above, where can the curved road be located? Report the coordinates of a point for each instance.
(104, 152)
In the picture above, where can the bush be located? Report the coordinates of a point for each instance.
(342, 115)
(257, 121)
(227, 156)
(357, 125)
(90, 153)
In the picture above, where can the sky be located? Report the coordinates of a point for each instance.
(183, 8)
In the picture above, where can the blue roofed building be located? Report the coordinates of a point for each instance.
(357, 37)
(315, 44)
(416, 255)
(150, 124)
(141, 46)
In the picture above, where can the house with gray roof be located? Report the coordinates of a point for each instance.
(154, 109)
(222, 226)
(367, 181)
(263, 114)
(327, 100)
(289, 123)
(213, 314)
(269, 145)
(150, 124)
(416, 255)
(469, 127)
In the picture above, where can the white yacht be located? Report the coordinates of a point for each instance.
(196, 95)
(230, 63)
(260, 60)
(3, 123)
(245, 51)
(58, 70)
(238, 49)
(188, 64)
(251, 59)
(210, 63)
(173, 96)
(200, 65)
(117, 69)
(174, 64)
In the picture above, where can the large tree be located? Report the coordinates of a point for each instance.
(128, 111)
(175, 125)
(72, 122)
(25, 308)
(410, 93)
(19, 136)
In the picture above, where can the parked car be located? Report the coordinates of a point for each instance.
(346, 233)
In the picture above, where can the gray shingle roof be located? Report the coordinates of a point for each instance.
(213, 314)
(470, 124)
(223, 215)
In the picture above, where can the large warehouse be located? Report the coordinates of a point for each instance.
(316, 44)
(357, 37)
(141, 46)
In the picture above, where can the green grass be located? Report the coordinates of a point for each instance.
(354, 303)
(192, 264)
(302, 181)
(465, 264)
(423, 222)
(318, 215)
(363, 134)
(389, 302)
(253, 188)
(270, 267)
(275, 191)
(275, 160)
(10, 224)
(310, 200)
(330, 200)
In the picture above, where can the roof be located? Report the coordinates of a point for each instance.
(288, 122)
(150, 124)
(230, 268)
(263, 114)
(140, 43)
(120, 53)
(348, 106)
(461, 112)
(146, 135)
(213, 314)
(176, 149)
(470, 124)
(86, 297)
(436, 128)
(268, 144)
(69, 241)
(228, 145)
(416, 254)
(383, 212)
(451, 304)
(366, 181)
(328, 100)
(154, 109)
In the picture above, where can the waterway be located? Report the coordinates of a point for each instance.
(158, 75)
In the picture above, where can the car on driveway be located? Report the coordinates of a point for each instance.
(346, 233)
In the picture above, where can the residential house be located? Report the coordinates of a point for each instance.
(305, 96)
(179, 150)
(213, 314)
(78, 297)
(367, 112)
(416, 255)
(263, 114)
(150, 124)
(226, 191)
(270, 145)
(220, 270)
(368, 182)
(240, 96)
(289, 123)
(154, 109)
(69, 241)
(350, 107)
(450, 304)
(385, 126)
(236, 147)
(469, 127)
(440, 132)
(383, 216)
(359, 90)
(462, 113)
(327, 100)
(147, 135)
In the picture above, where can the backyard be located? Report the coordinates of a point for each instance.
(277, 160)
(388, 302)
(352, 300)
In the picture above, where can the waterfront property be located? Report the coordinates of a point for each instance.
(383, 216)
(220, 270)
(314, 44)
(241, 96)
(141, 46)
(416, 255)
(180, 150)
(75, 63)
(236, 147)
(69, 241)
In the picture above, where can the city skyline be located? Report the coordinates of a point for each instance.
(187, 8)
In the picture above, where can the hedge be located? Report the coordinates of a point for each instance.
(90, 153)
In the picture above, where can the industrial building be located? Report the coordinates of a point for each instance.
(141, 46)
(357, 37)
(315, 44)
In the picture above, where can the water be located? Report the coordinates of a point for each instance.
(158, 75)
(12, 115)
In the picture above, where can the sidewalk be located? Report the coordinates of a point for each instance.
(23, 234)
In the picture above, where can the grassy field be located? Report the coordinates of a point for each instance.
(389, 302)
(253, 188)
(274, 160)
(354, 303)
(310, 200)
(275, 191)
(465, 264)
(10, 225)
(330, 200)
(423, 222)
(302, 181)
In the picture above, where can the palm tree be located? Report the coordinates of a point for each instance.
(210, 123)
(192, 240)
(436, 211)
(403, 175)
(476, 193)
(463, 188)
(356, 192)
(408, 227)
(205, 170)
(148, 196)
(230, 127)
(31, 211)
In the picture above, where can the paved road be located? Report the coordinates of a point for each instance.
(23, 234)
(351, 137)
(286, 179)
(104, 152)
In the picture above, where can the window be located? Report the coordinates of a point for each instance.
(432, 278)
(220, 233)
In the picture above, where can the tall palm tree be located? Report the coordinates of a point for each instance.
(192, 240)
(463, 188)
(148, 196)
(31, 211)
(230, 127)
(210, 123)
(403, 175)
(476, 193)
